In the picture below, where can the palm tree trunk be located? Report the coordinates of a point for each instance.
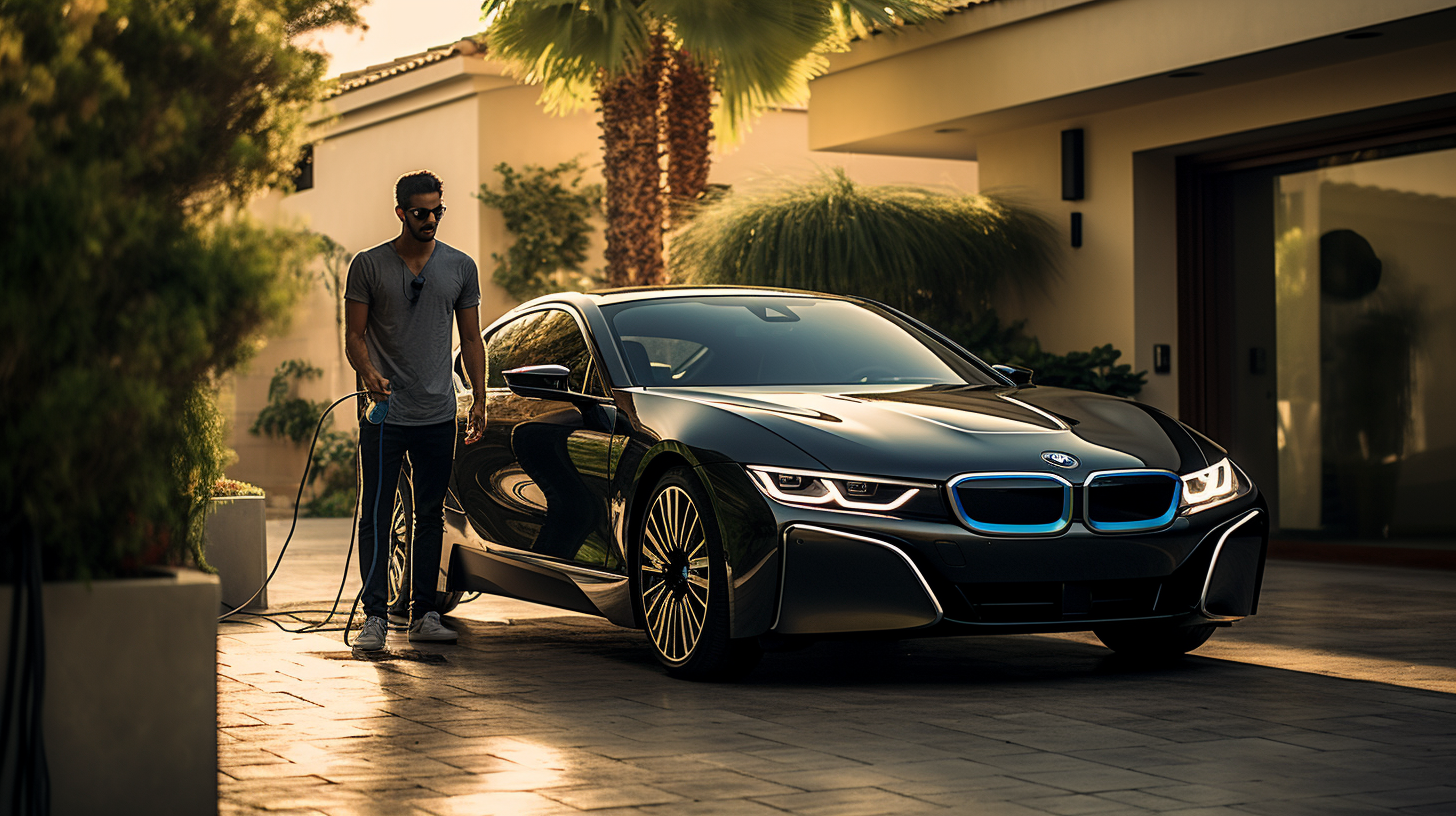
(688, 121)
(633, 172)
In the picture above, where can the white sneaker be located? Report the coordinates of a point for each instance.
(429, 628)
(371, 637)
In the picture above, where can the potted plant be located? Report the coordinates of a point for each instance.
(135, 135)
(237, 543)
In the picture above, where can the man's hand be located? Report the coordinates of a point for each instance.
(376, 384)
(475, 426)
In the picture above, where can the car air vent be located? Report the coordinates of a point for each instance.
(1012, 503)
(1052, 602)
(1127, 501)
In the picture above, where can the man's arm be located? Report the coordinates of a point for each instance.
(472, 356)
(356, 317)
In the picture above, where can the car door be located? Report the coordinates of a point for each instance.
(536, 482)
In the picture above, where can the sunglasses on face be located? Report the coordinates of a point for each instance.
(419, 213)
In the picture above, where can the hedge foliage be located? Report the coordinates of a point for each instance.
(549, 211)
(133, 134)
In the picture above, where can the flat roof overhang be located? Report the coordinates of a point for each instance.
(1017, 63)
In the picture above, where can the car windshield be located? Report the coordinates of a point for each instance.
(766, 340)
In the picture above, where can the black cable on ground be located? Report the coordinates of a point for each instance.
(297, 501)
(374, 525)
(40, 780)
(358, 498)
(338, 595)
(26, 668)
(12, 663)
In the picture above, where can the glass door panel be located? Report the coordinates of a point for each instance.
(1365, 304)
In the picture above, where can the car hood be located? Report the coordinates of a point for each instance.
(935, 432)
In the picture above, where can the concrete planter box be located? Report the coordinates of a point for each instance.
(130, 718)
(237, 545)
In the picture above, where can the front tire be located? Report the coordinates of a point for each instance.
(682, 584)
(1153, 640)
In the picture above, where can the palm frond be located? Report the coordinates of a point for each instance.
(758, 52)
(929, 252)
(565, 44)
(861, 18)
(764, 52)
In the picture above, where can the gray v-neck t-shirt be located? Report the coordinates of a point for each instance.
(409, 341)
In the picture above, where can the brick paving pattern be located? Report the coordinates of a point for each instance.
(1340, 698)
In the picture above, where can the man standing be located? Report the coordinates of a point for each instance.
(400, 297)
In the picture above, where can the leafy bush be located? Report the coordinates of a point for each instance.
(199, 459)
(289, 416)
(335, 458)
(1095, 370)
(133, 135)
(549, 211)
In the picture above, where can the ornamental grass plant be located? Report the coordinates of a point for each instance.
(943, 257)
(934, 254)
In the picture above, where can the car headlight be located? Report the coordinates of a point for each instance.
(1212, 486)
(841, 491)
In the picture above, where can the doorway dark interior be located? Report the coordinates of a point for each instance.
(1317, 291)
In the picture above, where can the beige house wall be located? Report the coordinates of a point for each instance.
(461, 117)
(1120, 286)
(352, 202)
(1000, 81)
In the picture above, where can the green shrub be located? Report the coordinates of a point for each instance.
(133, 135)
(549, 212)
(335, 458)
(1095, 370)
(200, 457)
(291, 417)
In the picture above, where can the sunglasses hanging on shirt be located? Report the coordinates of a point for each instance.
(416, 285)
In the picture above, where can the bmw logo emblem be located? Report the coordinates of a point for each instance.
(1061, 460)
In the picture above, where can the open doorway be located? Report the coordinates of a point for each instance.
(1322, 293)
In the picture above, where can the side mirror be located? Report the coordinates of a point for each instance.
(545, 382)
(1016, 374)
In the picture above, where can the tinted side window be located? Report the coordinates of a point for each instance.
(503, 350)
(549, 337)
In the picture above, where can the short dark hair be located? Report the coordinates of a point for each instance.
(415, 183)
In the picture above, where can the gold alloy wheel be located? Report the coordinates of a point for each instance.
(674, 578)
(398, 543)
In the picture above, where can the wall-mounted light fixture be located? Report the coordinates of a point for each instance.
(1073, 166)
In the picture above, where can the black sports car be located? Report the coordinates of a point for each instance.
(731, 469)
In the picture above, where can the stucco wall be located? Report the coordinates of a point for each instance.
(1120, 286)
(352, 201)
(460, 119)
(778, 147)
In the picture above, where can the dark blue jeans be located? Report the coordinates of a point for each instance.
(431, 450)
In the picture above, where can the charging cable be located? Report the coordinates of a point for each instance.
(376, 415)
(298, 501)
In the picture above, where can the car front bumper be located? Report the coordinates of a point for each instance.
(847, 572)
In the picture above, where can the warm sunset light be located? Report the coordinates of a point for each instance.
(397, 28)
